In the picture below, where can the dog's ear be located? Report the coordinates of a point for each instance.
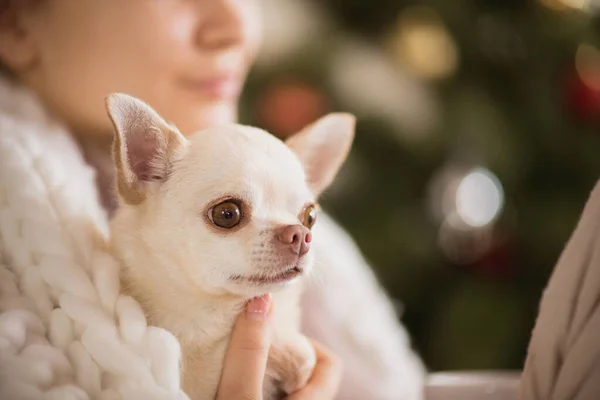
(322, 148)
(144, 146)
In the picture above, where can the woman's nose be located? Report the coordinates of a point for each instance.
(223, 24)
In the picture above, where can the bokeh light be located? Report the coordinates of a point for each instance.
(562, 5)
(479, 198)
(587, 63)
(423, 44)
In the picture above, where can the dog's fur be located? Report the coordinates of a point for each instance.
(190, 276)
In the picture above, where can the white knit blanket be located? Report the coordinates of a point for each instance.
(66, 332)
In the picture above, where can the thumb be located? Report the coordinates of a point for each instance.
(246, 357)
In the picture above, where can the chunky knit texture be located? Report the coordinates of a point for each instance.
(65, 330)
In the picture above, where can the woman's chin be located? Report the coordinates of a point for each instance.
(209, 114)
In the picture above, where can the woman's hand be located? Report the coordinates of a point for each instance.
(246, 360)
(246, 357)
(325, 380)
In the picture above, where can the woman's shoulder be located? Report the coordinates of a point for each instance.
(19, 103)
(42, 170)
(26, 129)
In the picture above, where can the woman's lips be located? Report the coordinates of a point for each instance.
(220, 87)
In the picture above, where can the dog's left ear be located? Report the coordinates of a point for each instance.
(322, 148)
(144, 147)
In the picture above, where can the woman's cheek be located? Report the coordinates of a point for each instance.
(253, 28)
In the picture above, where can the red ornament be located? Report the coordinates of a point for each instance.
(582, 99)
(289, 105)
(498, 262)
(487, 252)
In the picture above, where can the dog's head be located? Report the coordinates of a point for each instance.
(230, 208)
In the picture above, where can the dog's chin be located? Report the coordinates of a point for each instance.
(260, 283)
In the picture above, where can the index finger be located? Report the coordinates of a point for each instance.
(246, 356)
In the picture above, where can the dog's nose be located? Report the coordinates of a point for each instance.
(298, 237)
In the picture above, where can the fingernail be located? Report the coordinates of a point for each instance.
(257, 308)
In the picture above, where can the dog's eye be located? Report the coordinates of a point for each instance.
(310, 216)
(226, 215)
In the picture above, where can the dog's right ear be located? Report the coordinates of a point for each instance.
(144, 146)
(322, 147)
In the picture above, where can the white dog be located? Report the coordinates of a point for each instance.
(209, 221)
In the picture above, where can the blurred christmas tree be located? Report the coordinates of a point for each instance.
(477, 145)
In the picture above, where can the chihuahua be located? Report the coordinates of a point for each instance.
(208, 221)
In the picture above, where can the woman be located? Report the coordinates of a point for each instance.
(189, 60)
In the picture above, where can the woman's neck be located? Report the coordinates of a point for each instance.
(97, 153)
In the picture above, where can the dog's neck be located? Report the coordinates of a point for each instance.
(180, 307)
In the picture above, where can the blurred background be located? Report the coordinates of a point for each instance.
(478, 142)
